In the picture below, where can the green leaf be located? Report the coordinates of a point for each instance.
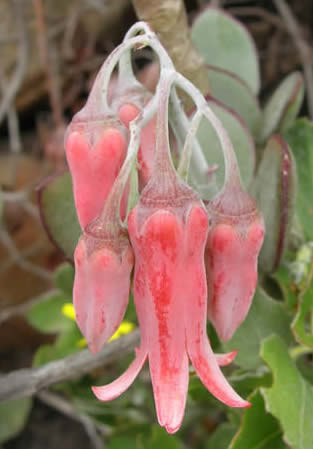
(13, 417)
(290, 399)
(47, 316)
(66, 344)
(224, 42)
(302, 323)
(286, 284)
(283, 106)
(259, 429)
(64, 278)
(245, 382)
(58, 213)
(222, 436)
(120, 442)
(236, 94)
(161, 439)
(274, 189)
(300, 138)
(266, 317)
(241, 140)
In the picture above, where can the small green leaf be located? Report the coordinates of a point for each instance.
(64, 278)
(283, 106)
(236, 94)
(245, 382)
(161, 439)
(274, 189)
(241, 140)
(290, 399)
(47, 316)
(67, 343)
(222, 436)
(302, 323)
(265, 317)
(225, 43)
(286, 285)
(13, 417)
(259, 429)
(300, 138)
(120, 442)
(58, 213)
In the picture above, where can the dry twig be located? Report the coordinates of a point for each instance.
(28, 381)
(302, 47)
(21, 309)
(169, 20)
(18, 76)
(91, 427)
(16, 256)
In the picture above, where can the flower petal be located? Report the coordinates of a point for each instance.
(158, 302)
(118, 386)
(205, 364)
(225, 359)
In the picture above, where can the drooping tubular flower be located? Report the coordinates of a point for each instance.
(103, 264)
(168, 230)
(234, 242)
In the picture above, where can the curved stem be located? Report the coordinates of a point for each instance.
(232, 174)
(112, 204)
(184, 163)
(125, 65)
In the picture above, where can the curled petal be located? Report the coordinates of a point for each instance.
(205, 364)
(225, 359)
(118, 386)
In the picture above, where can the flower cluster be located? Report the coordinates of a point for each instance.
(137, 211)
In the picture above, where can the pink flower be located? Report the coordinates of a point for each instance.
(95, 153)
(234, 242)
(168, 229)
(171, 300)
(102, 283)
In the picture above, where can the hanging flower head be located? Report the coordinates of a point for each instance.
(168, 230)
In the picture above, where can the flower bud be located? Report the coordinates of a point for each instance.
(234, 242)
(95, 153)
(102, 282)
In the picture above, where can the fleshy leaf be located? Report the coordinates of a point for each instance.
(265, 317)
(47, 316)
(160, 439)
(290, 399)
(274, 189)
(237, 95)
(67, 343)
(283, 106)
(13, 417)
(224, 42)
(302, 323)
(300, 138)
(241, 140)
(259, 429)
(222, 436)
(64, 278)
(58, 212)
